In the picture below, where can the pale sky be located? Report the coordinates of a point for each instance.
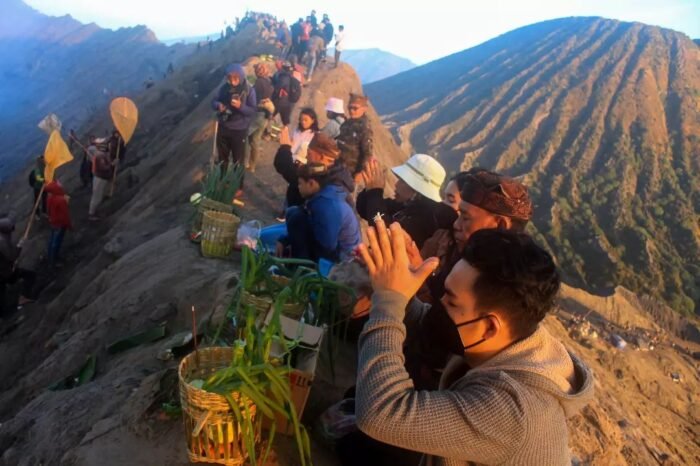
(421, 31)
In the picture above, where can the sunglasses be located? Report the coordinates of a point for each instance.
(353, 108)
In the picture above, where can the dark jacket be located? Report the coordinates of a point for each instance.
(8, 252)
(420, 217)
(296, 33)
(263, 89)
(232, 118)
(328, 33)
(355, 143)
(287, 167)
(115, 142)
(57, 206)
(101, 166)
(334, 228)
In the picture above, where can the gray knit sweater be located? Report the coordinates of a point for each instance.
(511, 410)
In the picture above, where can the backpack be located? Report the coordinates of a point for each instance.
(294, 90)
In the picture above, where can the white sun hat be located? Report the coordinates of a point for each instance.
(424, 174)
(335, 105)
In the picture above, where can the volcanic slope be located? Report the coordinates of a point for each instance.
(602, 120)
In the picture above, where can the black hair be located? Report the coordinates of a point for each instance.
(312, 113)
(460, 179)
(314, 171)
(341, 27)
(515, 275)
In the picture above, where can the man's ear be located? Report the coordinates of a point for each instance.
(504, 223)
(493, 326)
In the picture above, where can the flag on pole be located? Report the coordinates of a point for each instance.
(55, 155)
(125, 115)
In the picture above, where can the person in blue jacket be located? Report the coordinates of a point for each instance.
(325, 227)
(236, 105)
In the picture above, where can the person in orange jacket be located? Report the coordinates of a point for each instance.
(59, 218)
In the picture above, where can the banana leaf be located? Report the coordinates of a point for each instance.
(84, 375)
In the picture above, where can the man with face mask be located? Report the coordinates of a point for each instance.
(506, 397)
(488, 201)
(416, 205)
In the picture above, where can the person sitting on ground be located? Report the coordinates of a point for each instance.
(416, 204)
(336, 117)
(355, 138)
(488, 200)
(102, 169)
(36, 182)
(263, 92)
(505, 399)
(321, 149)
(236, 104)
(59, 219)
(9, 272)
(304, 133)
(287, 92)
(325, 227)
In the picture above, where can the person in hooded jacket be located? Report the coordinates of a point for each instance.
(236, 105)
(417, 204)
(59, 219)
(321, 149)
(336, 117)
(506, 397)
(325, 227)
(9, 272)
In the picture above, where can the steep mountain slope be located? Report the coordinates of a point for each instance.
(62, 66)
(601, 117)
(375, 64)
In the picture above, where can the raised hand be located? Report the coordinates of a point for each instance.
(284, 137)
(388, 264)
(373, 175)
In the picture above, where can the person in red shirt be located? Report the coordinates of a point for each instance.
(59, 218)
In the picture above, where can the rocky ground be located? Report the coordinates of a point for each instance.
(136, 268)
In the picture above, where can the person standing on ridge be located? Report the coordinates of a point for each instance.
(59, 219)
(36, 181)
(312, 19)
(263, 92)
(9, 272)
(287, 92)
(316, 49)
(236, 105)
(339, 44)
(102, 170)
(296, 31)
(355, 138)
(336, 117)
(306, 29)
(327, 35)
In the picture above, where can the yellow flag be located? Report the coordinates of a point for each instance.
(55, 155)
(125, 115)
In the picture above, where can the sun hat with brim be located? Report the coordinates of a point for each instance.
(424, 174)
(335, 105)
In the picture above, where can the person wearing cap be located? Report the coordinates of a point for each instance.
(488, 200)
(417, 204)
(336, 117)
(325, 227)
(355, 138)
(236, 105)
(263, 93)
(505, 397)
(321, 149)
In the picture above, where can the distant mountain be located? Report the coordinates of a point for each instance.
(697, 41)
(62, 66)
(375, 64)
(601, 119)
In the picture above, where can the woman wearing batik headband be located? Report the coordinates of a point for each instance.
(489, 200)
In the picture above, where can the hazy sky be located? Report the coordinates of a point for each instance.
(421, 31)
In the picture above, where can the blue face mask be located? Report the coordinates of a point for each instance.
(471, 322)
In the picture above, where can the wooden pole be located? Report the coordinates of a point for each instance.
(213, 148)
(116, 168)
(79, 143)
(31, 217)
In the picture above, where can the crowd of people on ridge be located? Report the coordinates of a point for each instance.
(455, 367)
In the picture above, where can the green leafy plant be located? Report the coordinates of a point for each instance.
(261, 377)
(221, 186)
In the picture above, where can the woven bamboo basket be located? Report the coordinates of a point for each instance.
(262, 304)
(206, 205)
(219, 231)
(213, 434)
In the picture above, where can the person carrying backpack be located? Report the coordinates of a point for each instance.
(236, 105)
(59, 219)
(287, 92)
